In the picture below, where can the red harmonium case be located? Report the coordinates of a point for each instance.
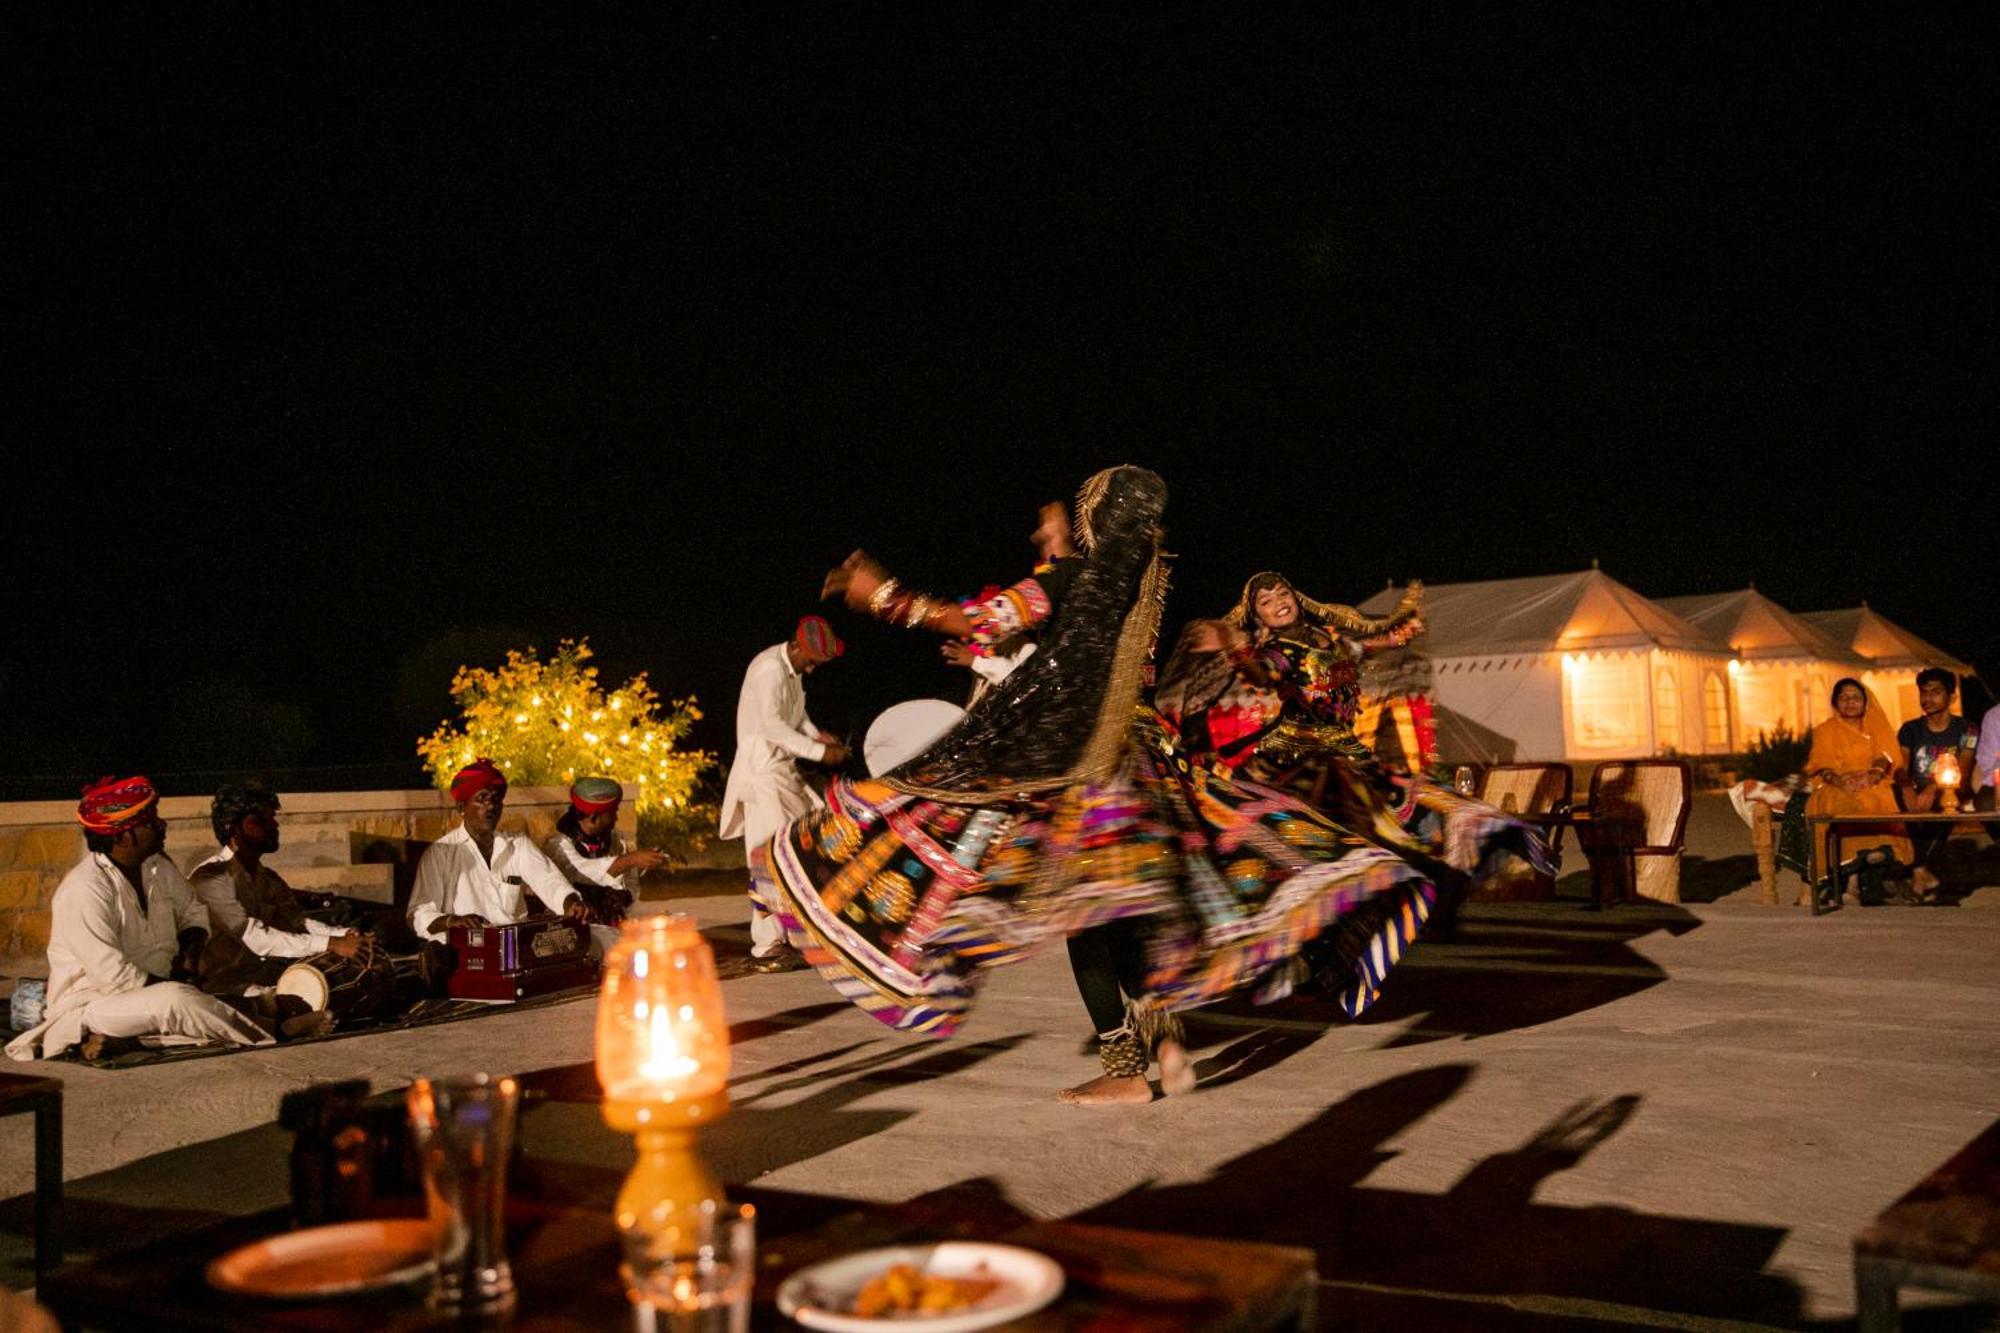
(524, 958)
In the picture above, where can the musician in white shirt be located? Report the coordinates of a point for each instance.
(476, 875)
(126, 939)
(773, 733)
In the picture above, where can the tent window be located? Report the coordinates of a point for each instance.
(1607, 698)
(1715, 711)
(1667, 710)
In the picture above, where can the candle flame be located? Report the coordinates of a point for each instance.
(664, 1062)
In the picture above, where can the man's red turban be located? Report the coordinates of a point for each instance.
(110, 805)
(476, 777)
(817, 637)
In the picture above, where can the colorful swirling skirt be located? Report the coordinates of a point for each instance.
(901, 902)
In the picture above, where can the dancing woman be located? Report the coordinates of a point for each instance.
(1055, 807)
(1270, 694)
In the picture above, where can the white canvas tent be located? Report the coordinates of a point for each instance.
(1892, 655)
(1575, 667)
(1785, 667)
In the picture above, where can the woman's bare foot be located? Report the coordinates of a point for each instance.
(1176, 1070)
(1924, 883)
(1105, 1090)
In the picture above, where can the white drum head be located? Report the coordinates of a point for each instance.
(906, 730)
(307, 983)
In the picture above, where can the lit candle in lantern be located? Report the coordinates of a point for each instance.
(1947, 776)
(663, 1059)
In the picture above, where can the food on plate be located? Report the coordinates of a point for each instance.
(905, 1290)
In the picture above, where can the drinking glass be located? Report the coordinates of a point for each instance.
(1462, 781)
(695, 1277)
(464, 1130)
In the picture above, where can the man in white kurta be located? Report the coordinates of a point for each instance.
(476, 875)
(773, 734)
(124, 924)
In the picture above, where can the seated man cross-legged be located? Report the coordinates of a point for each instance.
(589, 850)
(126, 939)
(476, 875)
(258, 925)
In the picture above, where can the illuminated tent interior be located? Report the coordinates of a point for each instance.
(1784, 668)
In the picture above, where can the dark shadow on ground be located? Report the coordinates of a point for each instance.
(564, 1122)
(1520, 967)
(1486, 1237)
(1705, 879)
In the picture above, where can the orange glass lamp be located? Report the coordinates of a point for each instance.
(1947, 776)
(663, 1058)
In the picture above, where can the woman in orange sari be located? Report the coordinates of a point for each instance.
(1852, 767)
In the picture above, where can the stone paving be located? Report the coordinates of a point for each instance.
(1654, 1116)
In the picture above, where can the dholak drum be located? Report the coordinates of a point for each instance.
(905, 730)
(349, 988)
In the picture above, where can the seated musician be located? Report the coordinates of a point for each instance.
(476, 875)
(126, 939)
(258, 924)
(589, 850)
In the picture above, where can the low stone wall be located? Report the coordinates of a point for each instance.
(361, 844)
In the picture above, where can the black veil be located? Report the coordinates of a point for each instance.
(1064, 715)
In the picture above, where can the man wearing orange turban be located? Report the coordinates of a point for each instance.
(126, 938)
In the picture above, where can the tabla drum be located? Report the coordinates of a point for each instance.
(905, 730)
(346, 986)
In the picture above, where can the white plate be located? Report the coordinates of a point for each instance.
(328, 1261)
(1028, 1281)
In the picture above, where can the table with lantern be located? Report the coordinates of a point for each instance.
(662, 1061)
(1871, 825)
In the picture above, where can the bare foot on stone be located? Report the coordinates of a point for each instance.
(1105, 1090)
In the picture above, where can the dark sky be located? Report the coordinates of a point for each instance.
(348, 345)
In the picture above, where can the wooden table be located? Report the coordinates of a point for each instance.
(565, 1262)
(1943, 1235)
(19, 1095)
(1833, 825)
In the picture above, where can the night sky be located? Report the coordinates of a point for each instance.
(352, 345)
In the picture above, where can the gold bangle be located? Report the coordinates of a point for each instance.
(878, 600)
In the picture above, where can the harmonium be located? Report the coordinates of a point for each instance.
(519, 960)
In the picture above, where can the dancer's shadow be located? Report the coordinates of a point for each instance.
(1513, 967)
(1405, 1256)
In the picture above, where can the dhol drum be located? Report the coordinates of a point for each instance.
(354, 990)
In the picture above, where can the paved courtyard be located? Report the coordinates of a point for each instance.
(1662, 1116)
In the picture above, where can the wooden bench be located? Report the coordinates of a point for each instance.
(20, 1094)
(1944, 1235)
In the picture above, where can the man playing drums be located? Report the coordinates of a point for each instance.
(257, 925)
(127, 936)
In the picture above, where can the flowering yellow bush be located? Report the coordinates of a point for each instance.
(549, 723)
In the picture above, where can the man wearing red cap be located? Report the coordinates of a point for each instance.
(476, 875)
(125, 939)
(591, 853)
(765, 786)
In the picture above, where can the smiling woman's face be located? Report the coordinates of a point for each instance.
(1277, 607)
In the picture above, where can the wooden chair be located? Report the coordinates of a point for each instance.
(1635, 827)
(1541, 795)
